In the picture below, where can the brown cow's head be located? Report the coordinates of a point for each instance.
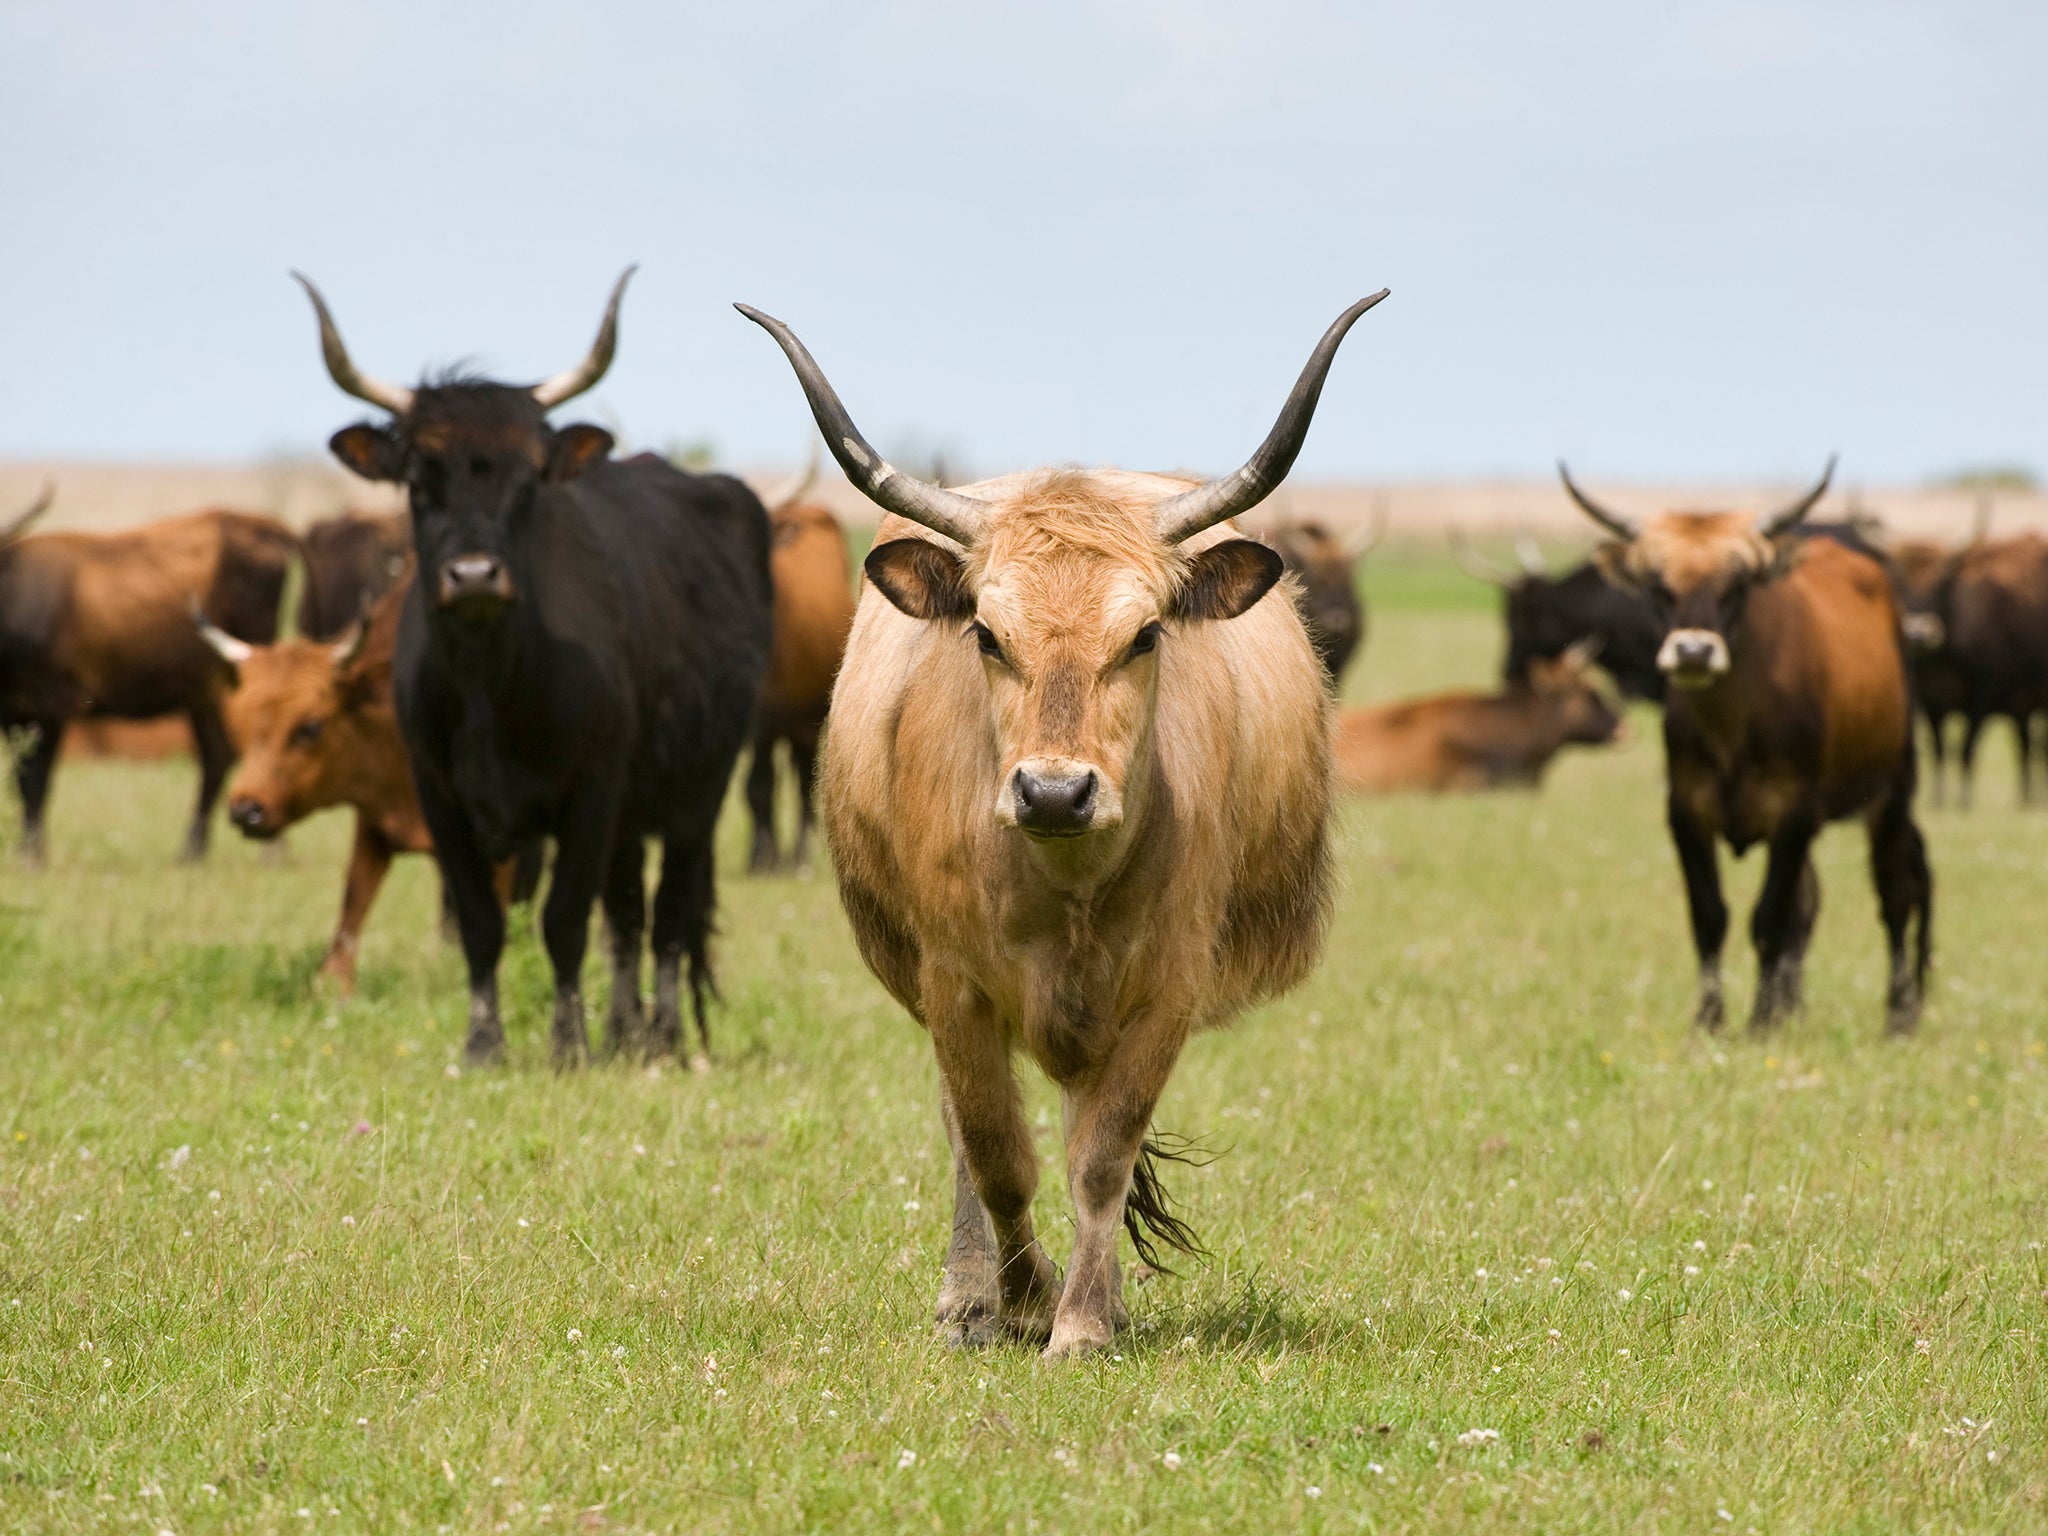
(1697, 569)
(1068, 588)
(1586, 715)
(472, 455)
(300, 718)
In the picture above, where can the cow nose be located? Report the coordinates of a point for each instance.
(473, 579)
(246, 812)
(1055, 805)
(1693, 653)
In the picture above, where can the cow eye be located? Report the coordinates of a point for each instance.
(1144, 642)
(985, 638)
(306, 732)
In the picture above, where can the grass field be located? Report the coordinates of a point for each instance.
(1498, 1243)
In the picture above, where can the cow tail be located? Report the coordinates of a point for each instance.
(1149, 1211)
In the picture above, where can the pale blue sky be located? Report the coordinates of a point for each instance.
(1665, 240)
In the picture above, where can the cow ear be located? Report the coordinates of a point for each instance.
(371, 452)
(1611, 561)
(576, 448)
(921, 579)
(1226, 579)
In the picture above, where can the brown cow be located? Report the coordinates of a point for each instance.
(314, 723)
(97, 624)
(1077, 791)
(1326, 568)
(351, 561)
(134, 741)
(813, 612)
(1788, 708)
(1470, 741)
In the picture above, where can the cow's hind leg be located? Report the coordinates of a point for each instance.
(996, 1145)
(683, 908)
(1782, 921)
(1111, 1113)
(33, 769)
(625, 913)
(2023, 743)
(1905, 896)
(803, 757)
(1708, 909)
(970, 1300)
(216, 758)
(763, 858)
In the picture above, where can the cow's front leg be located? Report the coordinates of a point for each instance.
(1703, 899)
(467, 875)
(970, 1298)
(368, 863)
(996, 1145)
(1109, 1114)
(583, 850)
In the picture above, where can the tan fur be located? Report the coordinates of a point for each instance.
(1095, 957)
(813, 611)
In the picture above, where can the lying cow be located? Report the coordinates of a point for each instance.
(813, 612)
(1076, 789)
(99, 625)
(1788, 708)
(578, 659)
(1470, 741)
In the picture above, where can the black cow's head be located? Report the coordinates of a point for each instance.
(472, 455)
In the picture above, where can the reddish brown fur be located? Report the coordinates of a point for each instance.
(354, 757)
(1474, 741)
(813, 614)
(1202, 887)
(136, 741)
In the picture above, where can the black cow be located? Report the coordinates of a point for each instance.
(1548, 615)
(579, 659)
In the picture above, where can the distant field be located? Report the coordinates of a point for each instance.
(1499, 1244)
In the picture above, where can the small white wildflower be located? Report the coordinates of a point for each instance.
(905, 1460)
(575, 1335)
(912, 1205)
(1922, 1347)
(522, 1221)
(1555, 1334)
(1722, 1514)
(451, 1070)
(1171, 1461)
(1624, 1294)
(1312, 1491)
(1479, 1437)
(348, 1221)
(1706, 1183)
(1699, 1245)
(1692, 1269)
(1375, 1469)
(1623, 1353)
(181, 1157)
(1479, 1274)
(618, 1351)
(362, 1423)
(213, 1194)
(639, 1150)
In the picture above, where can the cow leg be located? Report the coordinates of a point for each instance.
(1966, 768)
(995, 1142)
(1905, 893)
(803, 757)
(683, 906)
(625, 912)
(368, 863)
(32, 770)
(763, 858)
(1775, 925)
(583, 853)
(970, 1299)
(216, 758)
(1805, 912)
(1110, 1114)
(469, 880)
(1937, 749)
(1709, 911)
(2023, 732)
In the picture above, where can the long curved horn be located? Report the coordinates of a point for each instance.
(1613, 522)
(36, 509)
(1184, 516)
(790, 494)
(224, 645)
(1475, 565)
(1788, 518)
(351, 379)
(568, 385)
(956, 516)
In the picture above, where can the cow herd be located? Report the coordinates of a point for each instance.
(1082, 735)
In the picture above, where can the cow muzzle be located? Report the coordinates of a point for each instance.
(1057, 797)
(475, 586)
(1693, 658)
(252, 818)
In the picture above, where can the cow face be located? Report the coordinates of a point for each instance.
(296, 716)
(472, 457)
(1068, 601)
(1696, 571)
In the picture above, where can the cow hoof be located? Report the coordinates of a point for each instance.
(1710, 1015)
(974, 1326)
(484, 1050)
(1074, 1337)
(1902, 1019)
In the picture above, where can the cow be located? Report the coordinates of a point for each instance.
(1472, 741)
(134, 741)
(813, 612)
(351, 561)
(1788, 708)
(1076, 791)
(314, 725)
(1325, 569)
(578, 658)
(1547, 615)
(96, 624)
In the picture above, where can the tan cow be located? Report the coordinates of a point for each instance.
(1788, 708)
(1076, 788)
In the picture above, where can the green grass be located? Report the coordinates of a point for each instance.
(1479, 1176)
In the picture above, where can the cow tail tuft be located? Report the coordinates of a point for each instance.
(1149, 1209)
